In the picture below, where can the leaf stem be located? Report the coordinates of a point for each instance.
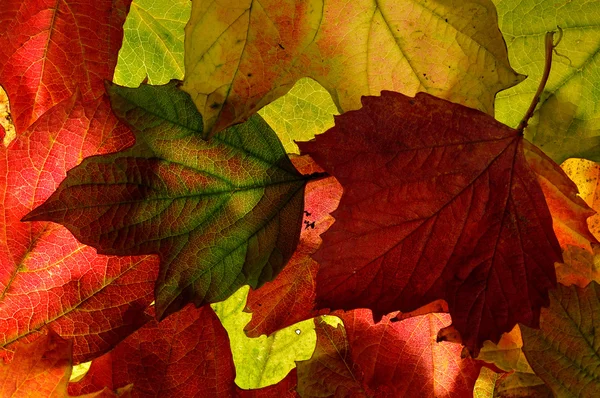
(550, 46)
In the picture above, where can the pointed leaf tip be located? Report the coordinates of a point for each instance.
(220, 214)
(438, 203)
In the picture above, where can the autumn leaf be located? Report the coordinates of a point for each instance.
(567, 121)
(571, 215)
(564, 351)
(586, 175)
(438, 203)
(305, 111)
(185, 355)
(351, 48)
(290, 297)
(220, 214)
(263, 361)
(507, 354)
(580, 267)
(46, 276)
(330, 372)
(42, 368)
(50, 49)
(388, 358)
(152, 43)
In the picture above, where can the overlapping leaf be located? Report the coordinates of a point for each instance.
(305, 111)
(290, 298)
(567, 121)
(564, 351)
(49, 49)
(452, 50)
(220, 214)
(570, 213)
(46, 276)
(390, 359)
(586, 175)
(263, 361)
(438, 203)
(185, 355)
(42, 368)
(152, 43)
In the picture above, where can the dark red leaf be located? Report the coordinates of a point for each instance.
(46, 276)
(439, 203)
(185, 355)
(35, 35)
(330, 372)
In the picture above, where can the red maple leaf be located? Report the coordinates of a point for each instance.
(185, 355)
(387, 359)
(42, 368)
(46, 276)
(35, 38)
(439, 203)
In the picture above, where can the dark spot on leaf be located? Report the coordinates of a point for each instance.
(249, 74)
(280, 46)
(214, 105)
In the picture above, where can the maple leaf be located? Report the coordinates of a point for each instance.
(438, 203)
(564, 351)
(152, 42)
(351, 48)
(46, 276)
(42, 368)
(187, 354)
(388, 358)
(290, 297)
(220, 214)
(35, 38)
(565, 123)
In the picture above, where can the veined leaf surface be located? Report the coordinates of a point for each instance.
(439, 203)
(48, 278)
(220, 214)
(241, 55)
(35, 38)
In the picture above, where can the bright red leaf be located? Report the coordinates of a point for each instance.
(46, 276)
(185, 355)
(388, 359)
(290, 298)
(49, 49)
(439, 203)
(42, 369)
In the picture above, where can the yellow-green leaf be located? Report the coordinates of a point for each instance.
(153, 42)
(263, 361)
(567, 121)
(241, 55)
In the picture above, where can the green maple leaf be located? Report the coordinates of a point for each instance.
(221, 214)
